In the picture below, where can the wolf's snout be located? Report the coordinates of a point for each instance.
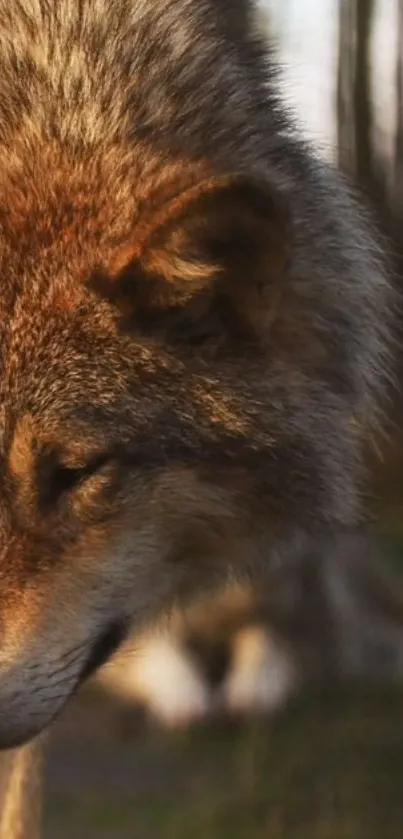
(35, 688)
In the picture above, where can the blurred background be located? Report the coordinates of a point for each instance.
(204, 734)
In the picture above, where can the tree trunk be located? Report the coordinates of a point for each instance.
(345, 86)
(365, 169)
(398, 162)
(357, 152)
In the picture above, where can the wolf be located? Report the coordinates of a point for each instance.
(194, 330)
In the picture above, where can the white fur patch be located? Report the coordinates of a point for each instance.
(262, 675)
(164, 678)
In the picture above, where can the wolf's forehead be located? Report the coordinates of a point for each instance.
(46, 352)
(45, 227)
(64, 215)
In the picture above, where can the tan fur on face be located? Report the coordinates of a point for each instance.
(21, 460)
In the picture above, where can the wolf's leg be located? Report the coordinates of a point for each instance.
(262, 674)
(163, 677)
(20, 792)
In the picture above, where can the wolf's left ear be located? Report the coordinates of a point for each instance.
(219, 249)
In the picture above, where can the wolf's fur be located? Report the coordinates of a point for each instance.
(194, 318)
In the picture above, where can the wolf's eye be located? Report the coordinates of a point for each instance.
(60, 478)
(65, 478)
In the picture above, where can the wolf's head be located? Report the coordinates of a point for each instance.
(186, 352)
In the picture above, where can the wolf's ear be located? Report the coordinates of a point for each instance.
(217, 253)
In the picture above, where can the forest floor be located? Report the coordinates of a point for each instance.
(328, 768)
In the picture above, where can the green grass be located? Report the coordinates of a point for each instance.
(328, 769)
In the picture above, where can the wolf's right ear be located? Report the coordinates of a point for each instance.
(219, 250)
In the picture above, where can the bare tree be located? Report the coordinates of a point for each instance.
(365, 155)
(345, 85)
(358, 154)
(398, 161)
